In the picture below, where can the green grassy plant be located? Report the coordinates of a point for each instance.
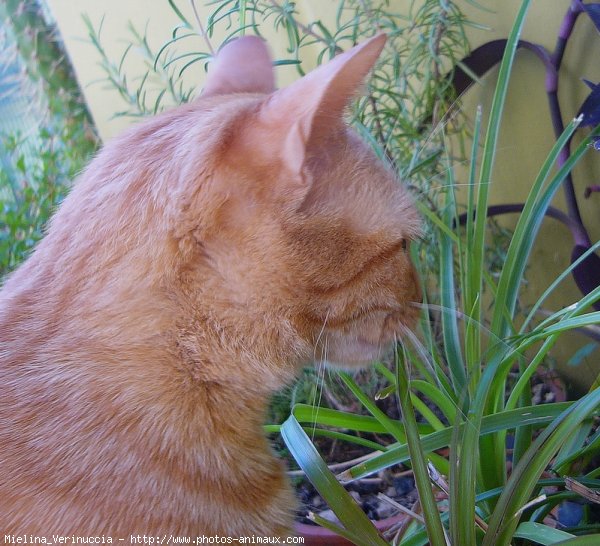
(37, 172)
(467, 368)
(40, 158)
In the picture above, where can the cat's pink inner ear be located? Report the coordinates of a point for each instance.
(242, 66)
(309, 110)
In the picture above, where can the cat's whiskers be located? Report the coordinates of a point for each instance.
(418, 345)
(321, 332)
(452, 112)
(409, 335)
(448, 116)
(423, 351)
(461, 316)
(451, 166)
(320, 367)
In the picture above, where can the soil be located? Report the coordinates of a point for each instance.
(398, 486)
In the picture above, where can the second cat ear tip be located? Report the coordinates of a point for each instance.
(374, 44)
(244, 44)
(380, 38)
(250, 39)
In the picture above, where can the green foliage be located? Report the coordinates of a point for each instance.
(46, 63)
(32, 185)
(39, 158)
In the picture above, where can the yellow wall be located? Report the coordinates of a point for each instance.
(526, 132)
(159, 19)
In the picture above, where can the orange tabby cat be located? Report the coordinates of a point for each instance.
(201, 259)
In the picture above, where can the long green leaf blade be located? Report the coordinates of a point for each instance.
(541, 534)
(524, 236)
(490, 146)
(433, 523)
(526, 474)
(343, 505)
(534, 415)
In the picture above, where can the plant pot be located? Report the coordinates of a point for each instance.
(314, 535)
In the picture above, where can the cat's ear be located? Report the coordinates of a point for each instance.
(242, 66)
(307, 112)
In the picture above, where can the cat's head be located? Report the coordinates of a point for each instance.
(308, 225)
(258, 209)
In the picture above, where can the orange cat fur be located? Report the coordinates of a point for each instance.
(199, 262)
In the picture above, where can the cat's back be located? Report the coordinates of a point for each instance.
(92, 388)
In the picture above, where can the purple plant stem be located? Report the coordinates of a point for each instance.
(591, 189)
(576, 229)
(552, 71)
(586, 273)
(552, 63)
